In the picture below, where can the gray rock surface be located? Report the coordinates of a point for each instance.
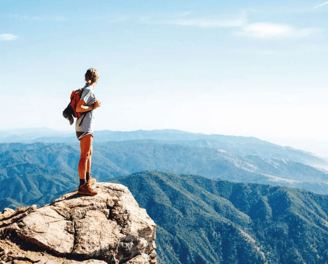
(106, 228)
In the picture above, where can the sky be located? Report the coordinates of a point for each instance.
(244, 68)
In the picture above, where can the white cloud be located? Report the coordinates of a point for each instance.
(323, 4)
(187, 13)
(254, 10)
(205, 23)
(255, 30)
(200, 22)
(274, 30)
(7, 37)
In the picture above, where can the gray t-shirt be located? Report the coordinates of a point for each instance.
(89, 98)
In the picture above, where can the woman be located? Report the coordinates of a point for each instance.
(84, 130)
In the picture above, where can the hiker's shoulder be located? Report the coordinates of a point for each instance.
(87, 90)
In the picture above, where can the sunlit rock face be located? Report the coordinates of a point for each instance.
(107, 228)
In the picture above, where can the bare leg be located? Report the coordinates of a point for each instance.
(89, 160)
(86, 151)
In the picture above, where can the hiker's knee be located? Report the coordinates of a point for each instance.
(86, 155)
(83, 159)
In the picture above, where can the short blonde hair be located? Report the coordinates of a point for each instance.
(91, 76)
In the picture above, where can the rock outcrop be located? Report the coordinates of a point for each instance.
(107, 228)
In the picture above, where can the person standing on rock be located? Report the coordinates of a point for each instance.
(84, 131)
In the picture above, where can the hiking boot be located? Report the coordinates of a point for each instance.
(86, 190)
(91, 180)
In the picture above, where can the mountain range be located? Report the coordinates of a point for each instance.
(213, 221)
(232, 144)
(43, 170)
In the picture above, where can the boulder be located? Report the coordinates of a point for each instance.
(107, 228)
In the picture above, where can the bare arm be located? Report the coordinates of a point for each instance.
(81, 107)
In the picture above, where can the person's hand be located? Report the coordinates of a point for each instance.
(97, 104)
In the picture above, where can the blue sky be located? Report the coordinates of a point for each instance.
(250, 68)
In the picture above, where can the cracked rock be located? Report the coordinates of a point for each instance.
(106, 228)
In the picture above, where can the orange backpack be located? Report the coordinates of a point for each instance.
(70, 110)
(75, 98)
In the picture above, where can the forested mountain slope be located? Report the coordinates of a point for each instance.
(211, 221)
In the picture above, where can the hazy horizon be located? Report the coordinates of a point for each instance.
(315, 147)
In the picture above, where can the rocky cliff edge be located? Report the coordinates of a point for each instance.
(107, 228)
